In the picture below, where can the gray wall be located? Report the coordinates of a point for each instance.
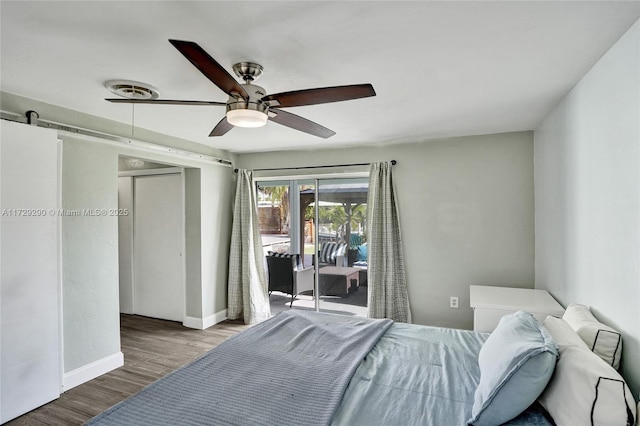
(193, 242)
(587, 179)
(218, 190)
(466, 213)
(90, 244)
(90, 302)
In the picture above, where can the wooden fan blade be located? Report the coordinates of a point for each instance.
(163, 101)
(321, 95)
(221, 128)
(299, 123)
(209, 67)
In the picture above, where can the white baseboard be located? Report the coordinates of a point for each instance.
(206, 322)
(91, 371)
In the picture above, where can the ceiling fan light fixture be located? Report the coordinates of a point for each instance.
(246, 118)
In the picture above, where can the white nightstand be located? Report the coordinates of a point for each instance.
(492, 303)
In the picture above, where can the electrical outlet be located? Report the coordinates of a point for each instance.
(453, 302)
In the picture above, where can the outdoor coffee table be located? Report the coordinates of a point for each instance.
(338, 280)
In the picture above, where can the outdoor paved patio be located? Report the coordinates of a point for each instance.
(354, 304)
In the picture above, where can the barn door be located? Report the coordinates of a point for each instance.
(30, 360)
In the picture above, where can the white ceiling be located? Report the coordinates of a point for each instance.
(440, 69)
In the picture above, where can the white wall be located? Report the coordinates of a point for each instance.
(30, 356)
(466, 214)
(587, 195)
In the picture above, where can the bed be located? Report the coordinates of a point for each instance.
(308, 368)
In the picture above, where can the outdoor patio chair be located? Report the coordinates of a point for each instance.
(288, 275)
(332, 254)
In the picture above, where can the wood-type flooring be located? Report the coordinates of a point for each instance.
(152, 348)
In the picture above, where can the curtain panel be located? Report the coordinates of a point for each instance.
(247, 288)
(388, 296)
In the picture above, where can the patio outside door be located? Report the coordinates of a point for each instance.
(330, 237)
(341, 245)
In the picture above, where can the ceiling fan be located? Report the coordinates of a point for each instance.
(249, 105)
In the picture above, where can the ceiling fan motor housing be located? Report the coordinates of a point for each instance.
(250, 112)
(256, 93)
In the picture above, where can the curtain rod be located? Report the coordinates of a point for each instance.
(393, 162)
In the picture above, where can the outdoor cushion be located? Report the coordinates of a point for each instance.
(330, 251)
(297, 260)
(362, 252)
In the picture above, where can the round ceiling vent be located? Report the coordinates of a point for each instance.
(132, 89)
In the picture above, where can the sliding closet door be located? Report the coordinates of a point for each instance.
(30, 365)
(158, 247)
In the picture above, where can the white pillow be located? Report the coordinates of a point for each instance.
(584, 390)
(603, 340)
(562, 333)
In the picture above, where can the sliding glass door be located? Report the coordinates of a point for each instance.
(286, 232)
(326, 229)
(341, 241)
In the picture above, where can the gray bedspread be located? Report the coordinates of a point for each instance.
(297, 376)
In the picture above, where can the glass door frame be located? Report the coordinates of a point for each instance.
(296, 226)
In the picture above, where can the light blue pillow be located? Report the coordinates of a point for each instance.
(362, 253)
(516, 363)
